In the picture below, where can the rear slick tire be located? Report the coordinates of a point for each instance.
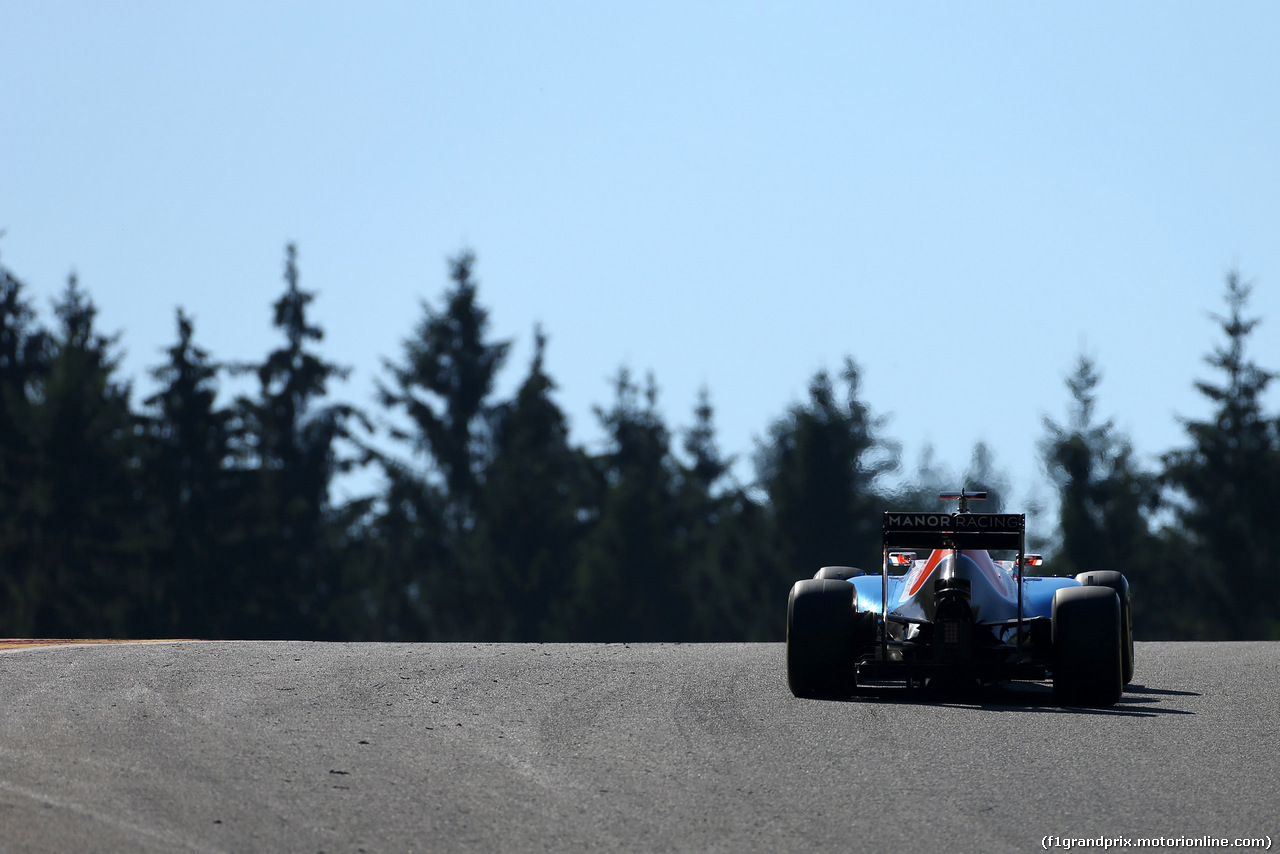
(1118, 583)
(1086, 644)
(821, 639)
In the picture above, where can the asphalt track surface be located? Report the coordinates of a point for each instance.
(309, 747)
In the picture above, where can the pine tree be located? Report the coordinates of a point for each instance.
(822, 470)
(1103, 498)
(444, 386)
(726, 571)
(196, 491)
(24, 364)
(1225, 483)
(1106, 504)
(85, 513)
(531, 510)
(628, 583)
(707, 466)
(291, 450)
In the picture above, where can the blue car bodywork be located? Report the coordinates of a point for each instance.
(1037, 595)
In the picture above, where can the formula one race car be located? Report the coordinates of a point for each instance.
(953, 614)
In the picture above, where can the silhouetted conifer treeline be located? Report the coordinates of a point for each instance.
(187, 517)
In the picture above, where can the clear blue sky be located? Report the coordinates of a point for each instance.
(961, 196)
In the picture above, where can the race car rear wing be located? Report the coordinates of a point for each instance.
(954, 530)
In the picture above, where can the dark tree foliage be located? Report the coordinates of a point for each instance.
(628, 584)
(84, 520)
(396, 555)
(822, 470)
(444, 386)
(707, 466)
(1103, 498)
(730, 582)
(532, 510)
(193, 518)
(290, 450)
(195, 490)
(403, 567)
(24, 360)
(1106, 503)
(1225, 485)
(25, 353)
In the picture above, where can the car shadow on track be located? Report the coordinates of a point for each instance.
(1138, 701)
